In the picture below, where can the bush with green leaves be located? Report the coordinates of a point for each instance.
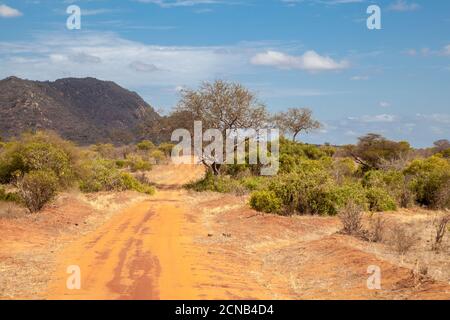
(380, 200)
(392, 181)
(341, 195)
(8, 196)
(158, 156)
(305, 192)
(41, 151)
(166, 148)
(102, 175)
(36, 188)
(131, 183)
(430, 178)
(254, 183)
(214, 183)
(137, 163)
(265, 201)
(99, 175)
(343, 169)
(145, 145)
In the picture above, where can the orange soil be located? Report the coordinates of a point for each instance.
(183, 245)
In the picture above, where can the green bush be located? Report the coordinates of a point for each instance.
(158, 156)
(99, 175)
(166, 148)
(42, 151)
(429, 180)
(380, 200)
(36, 188)
(265, 201)
(343, 168)
(137, 163)
(215, 183)
(394, 182)
(131, 183)
(8, 196)
(342, 195)
(121, 163)
(253, 183)
(306, 192)
(102, 175)
(145, 145)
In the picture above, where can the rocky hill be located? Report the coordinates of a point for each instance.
(84, 110)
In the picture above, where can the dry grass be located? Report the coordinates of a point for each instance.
(10, 210)
(441, 224)
(403, 238)
(351, 218)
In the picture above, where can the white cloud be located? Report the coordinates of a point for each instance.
(378, 118)
(447, 50)
(179, 3)
(110, 57)
(359, 78)
(385, 104)
(291, 3)
(309, 61)
(403, 5)
(8, 12)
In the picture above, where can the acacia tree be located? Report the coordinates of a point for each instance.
(296, 120)
(373, 149)
(441, 145)
(221, 105)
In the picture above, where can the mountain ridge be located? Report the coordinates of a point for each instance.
(83, 110)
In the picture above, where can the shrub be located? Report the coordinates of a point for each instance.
(254, 183)
(121, 163)
(131, 183)
(166, 148)
(137, 163)
(36, 188)
(106, 150)
(403, 239)
(380, 200)
(265, 201)
(158, 156)
(394, 182)
(343, 168)
(348, 193)
(351, 218)
(314, 192)
(304, 192)
(8, 196)
(99, 175)
(42, 151)
(377, 226)
(429, 180)
(214, 183)
(440, 225)
(145, 145)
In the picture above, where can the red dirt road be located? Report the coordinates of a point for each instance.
(180, 245)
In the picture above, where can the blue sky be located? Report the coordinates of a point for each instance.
(305, 53)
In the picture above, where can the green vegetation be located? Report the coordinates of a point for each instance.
(37, 166)
(265, 201)
(430, 181)
(36, 188)
(324, 180)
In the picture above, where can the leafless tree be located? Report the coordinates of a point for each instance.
(296, 120)
(221, 105)
(441, 225)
